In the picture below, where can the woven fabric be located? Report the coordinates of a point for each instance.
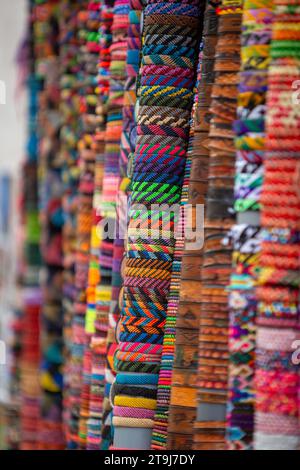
(249, 128)
(146, 285)
(216, 264)
(277, 374)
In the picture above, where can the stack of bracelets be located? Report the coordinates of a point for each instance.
(111, 188)
(94, 352)
(216, 266)
(169, 418)
(70, 174)
(127, 145)
(190, 302)
(128, 141)
(96, 323)
(277, 374)
(166, 96)
(71, 41)
(87, 152)
(86, 162)
(249, 128)
(31, 294)
(50, 192)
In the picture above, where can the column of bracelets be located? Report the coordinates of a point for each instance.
(128, 138)
(31, 292)
(167, 431)
(50, 435)
(77, 208)
(249, 129)
(97, 335)
(68, 155)
(87, 154)
(277, 374)
(97, 322)
(190, 302)
(118, 51)
(213, 338)
(167, 80)
(87, 106)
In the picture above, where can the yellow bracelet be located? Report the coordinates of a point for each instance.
(135, 402)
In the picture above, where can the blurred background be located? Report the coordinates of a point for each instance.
(12, 144)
